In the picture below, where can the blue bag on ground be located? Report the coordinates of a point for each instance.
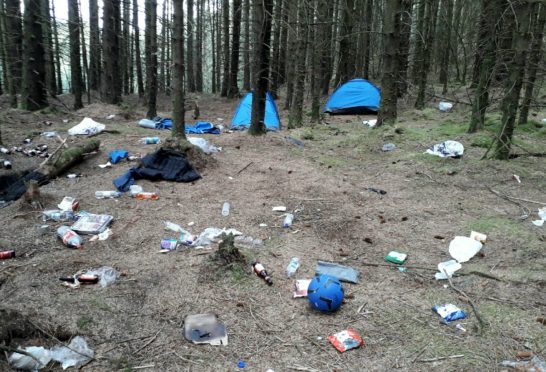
(449, 312)
(117, 155)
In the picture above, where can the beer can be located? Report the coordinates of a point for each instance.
(169, 244)
(4, 255)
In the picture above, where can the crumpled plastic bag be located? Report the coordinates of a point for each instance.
(343, 273)
(86, 127)
(107, 275)
(447, 269)
(447, 149)
(534, 365)
(76, 354)
(463, 248)
(24, 362)
(445, 106)
(211, 233)
(204, 145)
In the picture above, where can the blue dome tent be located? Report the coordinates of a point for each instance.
(357, 96)
(241, 119)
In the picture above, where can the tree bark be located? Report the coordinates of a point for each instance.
(284, 43)
(214, 50)
(140, 80)
(316, 38)
(404, 48)
(514, 81)
(68, 158)
(291, 51)
(219, 48)
(277, 25)
(505, 52)
(491, 10)
(533, 63)
(368, 19)
(419, 41)
(75, 62)
(225, 34)
(51, 83)
(178, 130)
(111, 84)
(126, 69)
(14, 47)
(430, 30)
(246, 48)
(346, 66)
(190, 76)
(34, 95)
(151, 57)
(295, 118)
(199, 47)
(57, 51)
(85, 81)
(94, 46)
(391, 41)
(262, 29)
(324, 19)
(233, 89)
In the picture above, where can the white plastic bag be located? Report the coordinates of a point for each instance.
(77, 354)
(445, 106)
(463, 248)
(204, 145)
(212, 233)
(446, 149)
(107, 275)
(447, 269)
(24, 362)
(86, 127)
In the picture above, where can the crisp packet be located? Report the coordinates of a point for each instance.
(300, 287)
(396, 257)
(346, 340)
(449, 312)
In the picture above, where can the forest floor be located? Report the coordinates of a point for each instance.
(137, 321)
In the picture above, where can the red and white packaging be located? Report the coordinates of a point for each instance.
(346, 340)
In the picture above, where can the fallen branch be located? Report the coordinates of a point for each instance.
(505, 196)
(19, 351)
(245, 167)
(149, 342)
(474, 308)
(440, 358)
(69, 158)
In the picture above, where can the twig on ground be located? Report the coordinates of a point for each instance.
(52, 155)
(419, 354)
(18, 351)
(143, 367)
(185, 359)
(149, 342)
(504, 196)
(474, 308)
(441, 358)
(245, 167)
(302, 368)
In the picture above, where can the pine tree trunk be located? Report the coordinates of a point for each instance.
(85, 81)
(419, 41)
(277, 25)
(94, 46)
(533, 63)
(190, 76)
(491, 10)
(199, 47)
(403, 52)
(225, 34)
(514, 80)
(75, 57)
(295, 118)
(505, 52)
(14, 47)
(233, 89)
(213, 32)
(346, 66)
(126, 45)
(151, 57)
(162, 58)
(140, 80)
(219, 48)
(3, 66)
(51, 83)
(444, 46)
(262, 29)
(430, 30)
(283, 43)
(57, 51)
(168, 53)
(315, 46)
(456, 38)
(178, 130)
(246, 53)
(323, 44)
(368, 19)
(482, 42)
(291, 51)
(391, 41)
(34, 95)
(111, 81)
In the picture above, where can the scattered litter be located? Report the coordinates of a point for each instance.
(74, 281)
(107, 194)
(300, 287)
(225, 209)
(445, 106)
(325, 293)
(279, 208)
(288, 220)
(76, 354)
(449, 312)
(211, 234)
(24, 362)
(396, 257)
(110, 117)
(57, 215)
(169, 244)
(107, 165)
(48, 134)
(482, 238)
(388, 147)
(447, 269)
(343, 273)
(117, 155)
(452, 149)
(463, 249)
(402, 269)
(135, 189)
(4, 255)
(86, 127)
(241, 364)
(534, 365)
(204, 145)
(259, 270)
(542, 215)
(346, 340)
(191, 223)
(292, 267)
(205, 329)
(149, 140)
(92, 224)
(186, 237)
(538, 223)
(69, 237)
(102, 236)
(68, 204)
(460, 327)
(146, 196)
(107, 275)
(379, 191)
(263, 225)
(248, 241)
(516, 177)
(295, 141)
(370, 123)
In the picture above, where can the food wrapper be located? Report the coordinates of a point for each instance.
(396, 257)
(346, 340)
(478, 236)
(449, 312)
(300, 287)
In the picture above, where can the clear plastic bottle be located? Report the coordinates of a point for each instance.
(292, 267)
(57, 215)
(288, 220)
(225, 209)
(69, 237)
(107, 194)
(149, 140)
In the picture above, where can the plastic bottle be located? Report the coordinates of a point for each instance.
(260, 271)
(57, 215)
(288, 220)
(69, 237)
(292, 267)
(225, 209)
(4, 255)
(6, 164)
(107, 194)
(4, 150)
(149, 140)
(82, 278)
(146, 196)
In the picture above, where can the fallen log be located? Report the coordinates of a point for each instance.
(68, 158)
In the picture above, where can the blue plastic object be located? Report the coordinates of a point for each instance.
(241, 119)
(357, 96)
(449, 312)
(117, 155)
(325, 293)
(241, 364)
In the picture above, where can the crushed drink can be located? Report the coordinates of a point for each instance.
(169, 244)
(4, 255)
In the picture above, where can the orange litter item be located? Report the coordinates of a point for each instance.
(346, 340)
(147, 196)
